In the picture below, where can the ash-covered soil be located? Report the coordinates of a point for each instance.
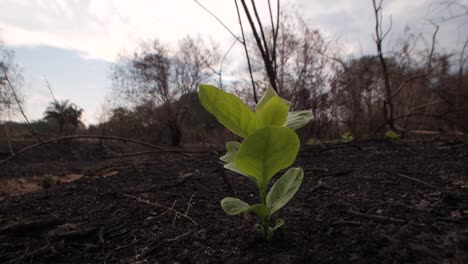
(363, 202)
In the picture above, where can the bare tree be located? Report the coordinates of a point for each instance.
(10, 97)
(392, 90)
(7, 70)
(157, 77)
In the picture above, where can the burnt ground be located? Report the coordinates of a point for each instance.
(364, 202)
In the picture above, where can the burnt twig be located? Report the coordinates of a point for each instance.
(161, 206)
(377, 217)
(415, 180)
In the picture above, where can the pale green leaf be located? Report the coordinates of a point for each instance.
(279, 223)
(271, 110)
(232, 167)
(284, 189)
(269, 93)
(273, 113)
(234, 206)
(298, 119)
(267, 151)
(228, 109)
(231, 148)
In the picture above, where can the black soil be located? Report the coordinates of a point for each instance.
(365, 202)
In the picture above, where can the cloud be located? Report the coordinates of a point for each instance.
(353, 22)
(83, 81)
(100, 28)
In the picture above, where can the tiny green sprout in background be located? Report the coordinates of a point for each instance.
(314, 141)
(269, 145)
(347, 137)
(392, 134)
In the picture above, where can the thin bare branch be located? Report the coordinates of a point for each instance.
(388, 104)
(50, 89)
(428, 67)
(431, 53)
(254, 88)
(262, 32)
(274, 30)
(221, 64)
(263, 50)
(13, 90)
(408, 80)
(219, 20)
(138, 199)
(388, 29)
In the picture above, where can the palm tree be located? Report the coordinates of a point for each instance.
(66, 114)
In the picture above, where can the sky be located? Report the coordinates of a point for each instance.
(73, 43)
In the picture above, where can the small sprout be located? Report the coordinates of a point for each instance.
(347, 137)
(314, 141)
(47, 181)
(392, 134)
(269, 145)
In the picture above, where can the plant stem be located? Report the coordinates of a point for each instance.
(262, 190)
(266, 229)
(265, 222)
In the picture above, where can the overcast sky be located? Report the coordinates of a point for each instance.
(73, 42)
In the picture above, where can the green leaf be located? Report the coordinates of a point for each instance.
(267, 151)
(234, 206)
(392, 134)
(272, 110)
(260, 210)
(279, 223)
(228, 109)
(298, 119)
(232, 167)
(347, 137)
(231, 148)
(284, 189)
(274, 113)
(269, 93)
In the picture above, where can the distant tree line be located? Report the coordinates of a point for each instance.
(411, 91)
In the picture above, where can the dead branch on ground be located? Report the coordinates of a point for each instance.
(32, 147)
(161, 206)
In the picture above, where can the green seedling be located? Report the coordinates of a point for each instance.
(347, 137)
(392, 134)
(269, 145)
